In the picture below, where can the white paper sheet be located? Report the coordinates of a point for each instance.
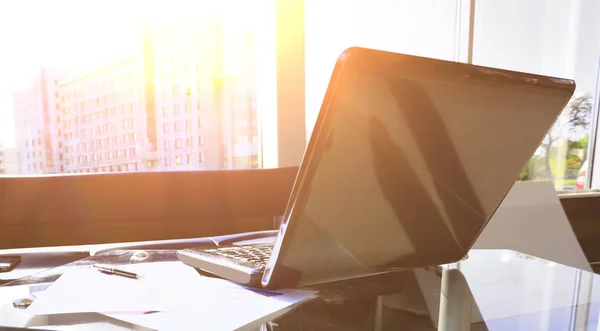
(241, 313)
(171, 296)
(165, 286)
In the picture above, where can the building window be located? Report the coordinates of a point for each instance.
(176, 110)
(188, 124)
(177, 126)
(166, 128)
(166, 143)
(201, 157)
(199, 123)
(167, 161)
(200, 140)
(177, 143)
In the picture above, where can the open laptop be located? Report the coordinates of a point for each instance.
(408, 160)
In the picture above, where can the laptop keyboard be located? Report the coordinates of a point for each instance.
(257, 255)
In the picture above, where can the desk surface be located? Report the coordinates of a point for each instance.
(503, 290)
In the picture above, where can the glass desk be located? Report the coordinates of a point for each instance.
(490, 290)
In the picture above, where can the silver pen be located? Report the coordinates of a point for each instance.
(115, 271)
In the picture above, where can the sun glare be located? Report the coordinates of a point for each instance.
(82, 37)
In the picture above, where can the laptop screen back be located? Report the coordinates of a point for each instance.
(409, 159)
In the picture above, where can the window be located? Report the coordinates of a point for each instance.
(515, 35)
(562, 157)
(96, 112)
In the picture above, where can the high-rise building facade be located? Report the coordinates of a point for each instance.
(36, 120)
(9, 161)
(205, 92)
(186, 100)
(102, 123)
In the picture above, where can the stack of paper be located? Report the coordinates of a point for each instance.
(171, 296)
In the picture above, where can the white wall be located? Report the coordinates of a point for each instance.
(547, 37)
(424, 28)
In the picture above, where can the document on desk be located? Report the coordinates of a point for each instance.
(89, 290)
(169, 294)
(239, 312)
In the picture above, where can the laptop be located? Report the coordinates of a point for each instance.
(408, 161)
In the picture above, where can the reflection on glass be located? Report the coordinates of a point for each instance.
(559, 39)
(562, 155)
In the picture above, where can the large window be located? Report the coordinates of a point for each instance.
(555, 38)
(75, 72)
(225, 84)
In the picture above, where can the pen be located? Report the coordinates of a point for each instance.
(115, 271)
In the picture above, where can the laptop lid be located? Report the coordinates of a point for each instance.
(408, 160)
